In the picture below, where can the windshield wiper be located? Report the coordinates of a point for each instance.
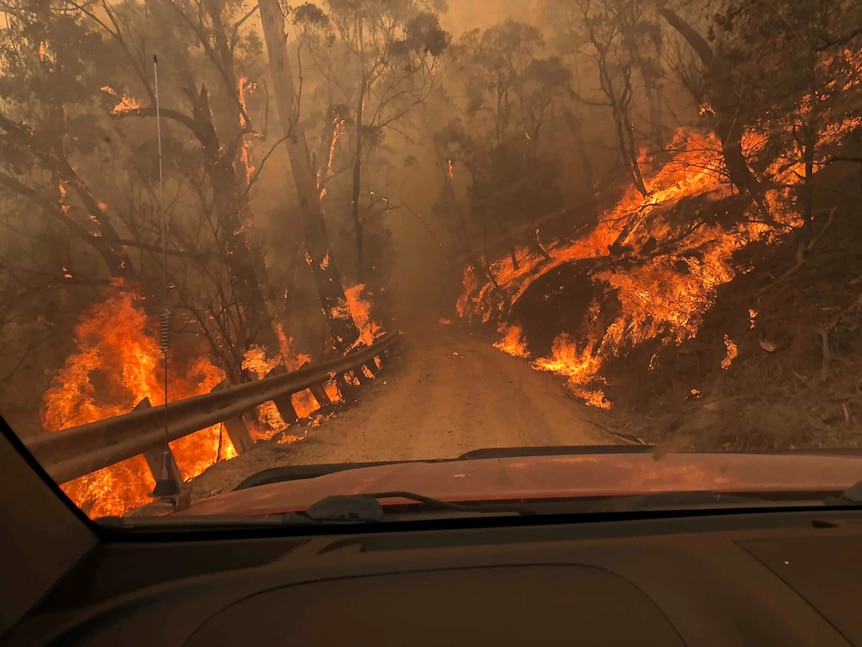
(337, 509)
(852, 496)
(367, 507)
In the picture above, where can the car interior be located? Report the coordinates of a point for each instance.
(788, 577)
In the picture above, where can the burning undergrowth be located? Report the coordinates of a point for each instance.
(648, 272)
(118, 366)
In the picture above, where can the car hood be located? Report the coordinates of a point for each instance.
(553, 477)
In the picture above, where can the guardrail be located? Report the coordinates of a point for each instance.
(71, 453)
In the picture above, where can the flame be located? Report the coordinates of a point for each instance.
(337, 131)
(732, 352)
(243, 86)
(579, 365)
(125, 104)
(117, 364)
(664, 294)
(513, 341)
(258, 361)
(358, 301)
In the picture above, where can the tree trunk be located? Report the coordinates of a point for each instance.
(588, 188)
(357, 179)
(323, 267)
(514, 257)
(808, 148)
(354, 210)
(728, 125)
(656, 115)
(246, 269)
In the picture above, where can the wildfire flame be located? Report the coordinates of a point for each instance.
(663, 295)
(116, 365)
(513, 341)
(359, 303)
(732, 352)
(579, 364)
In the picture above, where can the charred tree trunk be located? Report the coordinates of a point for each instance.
(541, 249)
(248, 273)
(620, 102)
(656, 115)
(513, 256)
(808, 149)
(106, 242)
(354, 212)
(323, 266)
(576, 125)
(357, 180)
(728, 125)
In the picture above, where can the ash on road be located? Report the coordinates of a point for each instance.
(446, 394)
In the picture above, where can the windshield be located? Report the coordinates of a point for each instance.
(578, 245)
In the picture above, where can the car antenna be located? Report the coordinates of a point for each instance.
(167, 486)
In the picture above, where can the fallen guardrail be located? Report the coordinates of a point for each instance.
(71, 453)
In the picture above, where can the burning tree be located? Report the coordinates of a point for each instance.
(795, 69)
(209, 62)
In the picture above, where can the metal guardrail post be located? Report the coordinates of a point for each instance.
(317, 390)
(283, 403)
(235, 427)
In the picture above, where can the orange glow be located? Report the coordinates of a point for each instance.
(512, 341)
(332, 391)
(579, 365)
(125, 104)
(257, 361)
(304, 403)
(664, 292)
(244, 86)
(117, 363)
(337, 130)
(732, 352)
(359, 303)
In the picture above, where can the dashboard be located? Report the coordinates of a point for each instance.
(777, 578)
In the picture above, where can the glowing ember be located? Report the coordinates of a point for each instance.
(513, 341)
(732, 352)
(116, 365)
(752, 318)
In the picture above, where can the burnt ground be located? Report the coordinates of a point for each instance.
(787, 387)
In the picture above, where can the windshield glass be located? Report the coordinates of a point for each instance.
(284, 246)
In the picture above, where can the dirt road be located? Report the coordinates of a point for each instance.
(446, 394)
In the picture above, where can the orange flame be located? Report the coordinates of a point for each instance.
(513, 341)
(116, 365)
(732, 352)
(579, 365)
(665, 293)
(359, 303)
(243, 86)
